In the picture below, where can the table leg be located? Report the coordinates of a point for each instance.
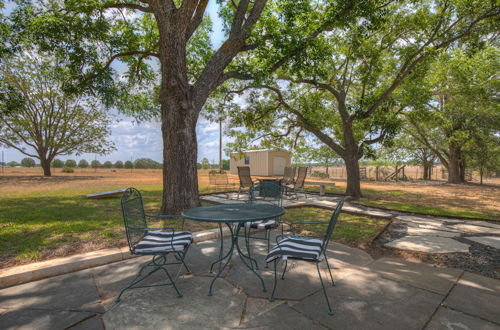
(228, 256)
(243, 256)
(220, 251)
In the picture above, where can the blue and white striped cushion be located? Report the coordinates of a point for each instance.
(269, 224)
(296, 248)
(163, 241)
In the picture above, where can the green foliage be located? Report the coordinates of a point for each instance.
(28, 162)
(49, 123)
(83, 163)
(57, 163)
(128, 164)
(147, 163)
(226, 164)
(205, 164)
(95, 163)
(68, 170)
(71, 163)
(119, 164)
(13, 163)
(320, 174)
(107, 164)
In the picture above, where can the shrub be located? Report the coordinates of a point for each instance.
(128, 164)
(119, 164)
(68, 170)
(107, 164)
(70, 163)
(83, 164)
(13, 163)
(320, 174)
(95, 163)
(57, 163)
(28, 162)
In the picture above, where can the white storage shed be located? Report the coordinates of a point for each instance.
(261, 162)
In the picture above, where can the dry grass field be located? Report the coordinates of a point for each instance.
(43, 218)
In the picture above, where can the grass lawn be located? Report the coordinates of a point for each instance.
(439, 199)
(351, 230)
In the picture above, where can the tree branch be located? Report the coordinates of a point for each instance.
(132, 6)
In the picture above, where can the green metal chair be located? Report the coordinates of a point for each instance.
(306, 248)
(155, 242)
(264, 192)
(297, 185)
(245, 179)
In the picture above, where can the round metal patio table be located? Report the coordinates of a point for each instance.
(234, 216)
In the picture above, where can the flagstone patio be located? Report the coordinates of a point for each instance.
(369, 294)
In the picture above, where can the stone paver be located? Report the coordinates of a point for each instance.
(94, 323)
(446, 318)
(75, 291)
(254, 307)
(471, 228)
(476, 295)
(493, 241)
(439, 280)
(417, 231)
(281, 317)
(429, 244)
(41, 319)
(364, 300)
(159, 308)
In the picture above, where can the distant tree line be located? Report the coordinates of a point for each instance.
(140, 163)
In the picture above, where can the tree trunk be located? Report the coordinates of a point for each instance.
(454, 175)
(45, 166)
(427, 171)
(353, 178)
(481, 171)
(180, 152)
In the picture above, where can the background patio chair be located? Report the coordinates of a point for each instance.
(264, 192)
(218, 179)
(155, 242)
(298, 184)
(288, 175)
(245, 178)
(306, 248)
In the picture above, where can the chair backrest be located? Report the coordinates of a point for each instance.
(245, 178)
(268, 192)
(217, 178)
(294, 173)
(287, 175)
(133, 216)
(301, 177)
(331, 225)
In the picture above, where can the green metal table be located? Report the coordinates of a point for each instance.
(234, 216)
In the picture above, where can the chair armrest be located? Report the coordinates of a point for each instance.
(161, 228)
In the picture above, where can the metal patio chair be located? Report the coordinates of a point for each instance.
(305, 248)
(298, 184)
(245, 178)
(264, 192)
(155, 242)
(288, 175)
(218, 179)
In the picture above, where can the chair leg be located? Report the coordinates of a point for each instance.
(330, 312)
(329, 270)
(284, 270)
(271, 298)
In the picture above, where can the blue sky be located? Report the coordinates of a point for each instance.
(137, 140)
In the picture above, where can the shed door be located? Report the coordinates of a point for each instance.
(279, 165)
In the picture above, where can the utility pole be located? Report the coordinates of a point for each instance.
(220, 145)
(3, 162)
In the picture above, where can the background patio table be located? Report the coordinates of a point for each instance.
(234, 216)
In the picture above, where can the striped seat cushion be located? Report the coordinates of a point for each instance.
(163, 241)
(296, 248)
(269, 224)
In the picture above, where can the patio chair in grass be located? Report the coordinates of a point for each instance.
(264, 192)
(245, 178)
(305, 248)
(155, 242)
(298, 184)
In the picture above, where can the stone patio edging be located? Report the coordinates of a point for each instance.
(39, 270)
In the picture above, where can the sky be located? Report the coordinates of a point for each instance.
(143, 140)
